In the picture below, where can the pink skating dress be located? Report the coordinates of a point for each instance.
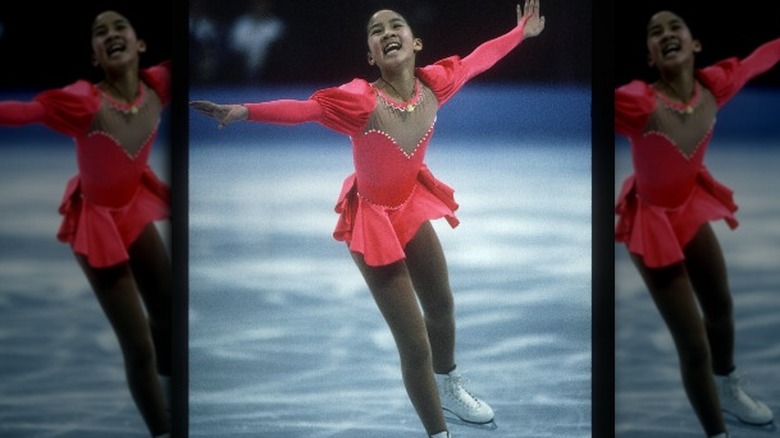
(115, 194)
(662, 205)
(392, 192)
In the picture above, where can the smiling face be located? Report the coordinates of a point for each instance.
(114, 42)
(669, 41)
(390, 40)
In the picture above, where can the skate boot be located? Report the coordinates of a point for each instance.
(736, 401)
(456, 399)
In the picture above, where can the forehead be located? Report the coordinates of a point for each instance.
(384, 16)
(108, 17)
(663, 18)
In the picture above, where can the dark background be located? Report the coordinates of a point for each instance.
(47, 44)
(724, 30)
(325, 41)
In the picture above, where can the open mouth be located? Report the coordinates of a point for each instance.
(671, 48)
(391, 47)
(113, 48)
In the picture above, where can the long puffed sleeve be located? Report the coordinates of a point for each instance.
(633, 104)
(344, 109)
(448, 75)
(727, 77)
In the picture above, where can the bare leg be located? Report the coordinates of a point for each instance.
(152, 273)
(392, 289)
(707, 271)
(428, 270)
(673, 294)
(116, 292)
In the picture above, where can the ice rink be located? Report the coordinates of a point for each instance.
(61, 371)
(285, 339)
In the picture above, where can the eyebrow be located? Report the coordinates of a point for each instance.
(114, 22)
(657, 25)
(392, 21)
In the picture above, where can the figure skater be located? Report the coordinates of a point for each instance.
(385, 206)
(109, 208)
(665, 207)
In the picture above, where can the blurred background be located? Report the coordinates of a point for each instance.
(277, 42)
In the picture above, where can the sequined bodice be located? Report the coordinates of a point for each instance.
(389, 152)
(670, 152)
(113, 155)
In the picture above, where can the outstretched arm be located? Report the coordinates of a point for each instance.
(529, 24)
(283, 112)
(726, 78)
(16, 113)
(763, 58)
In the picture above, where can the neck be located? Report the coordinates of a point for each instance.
(679, 80)
(400, 84)
(681, 87)
(124, 84)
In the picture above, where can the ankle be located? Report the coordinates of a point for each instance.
(725, 372)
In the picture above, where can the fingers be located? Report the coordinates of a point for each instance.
(211, 109)
(531, 8)
(204, 107)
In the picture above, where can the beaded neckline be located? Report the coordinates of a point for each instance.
(682, 107)
(403, 106)
(126, 107)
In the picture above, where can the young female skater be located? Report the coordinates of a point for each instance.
(109, 207)
(665, 207)
(386, 205)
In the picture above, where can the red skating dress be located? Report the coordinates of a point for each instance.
(115, 193)
(671, 194)
(392, 192)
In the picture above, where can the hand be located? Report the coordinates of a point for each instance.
(225, 114)
(534, 23)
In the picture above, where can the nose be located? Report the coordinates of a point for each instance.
(667, 32)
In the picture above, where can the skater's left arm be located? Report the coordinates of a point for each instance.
(727, 77)
(529, 24)
(762, 59)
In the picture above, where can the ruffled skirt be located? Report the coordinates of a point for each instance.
(380, 233)
(103, 234)
(659, 234)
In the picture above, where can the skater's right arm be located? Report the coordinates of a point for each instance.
(344, 109)
(17, 113)
(281, 112)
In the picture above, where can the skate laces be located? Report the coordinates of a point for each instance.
(737, 387)
(462, 395)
